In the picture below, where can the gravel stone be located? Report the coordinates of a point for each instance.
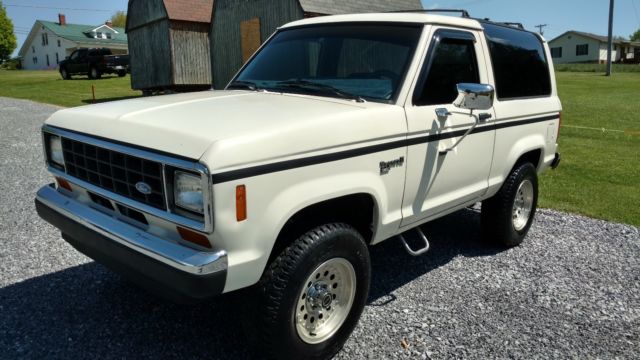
(570, 291)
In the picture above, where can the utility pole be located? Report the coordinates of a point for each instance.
(610, 47)
(540, 28)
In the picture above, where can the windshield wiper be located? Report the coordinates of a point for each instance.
(310, 85)
(242, 84)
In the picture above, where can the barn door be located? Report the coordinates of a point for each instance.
(249, 37)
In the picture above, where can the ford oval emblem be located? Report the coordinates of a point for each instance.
(143, 187)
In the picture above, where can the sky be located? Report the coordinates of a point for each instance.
(559, 15)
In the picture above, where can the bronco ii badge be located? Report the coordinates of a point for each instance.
(385, 166)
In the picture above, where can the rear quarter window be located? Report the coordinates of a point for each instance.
(519, 62)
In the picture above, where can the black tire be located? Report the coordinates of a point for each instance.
(278, 292)
(122, 73)
(497, 215)
(65, 74)
(94, 73)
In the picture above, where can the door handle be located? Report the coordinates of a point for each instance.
(484, 117)
(442, 112)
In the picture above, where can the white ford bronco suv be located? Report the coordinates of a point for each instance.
(339, 133)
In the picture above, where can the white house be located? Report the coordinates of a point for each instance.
(50, 42)
(581, 47)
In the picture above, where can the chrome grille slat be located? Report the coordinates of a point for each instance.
(115, 171)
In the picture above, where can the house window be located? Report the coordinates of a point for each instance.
(45, 39)
(58, 42)
(48, 64)
(582, 49)
(108, 35)
(57, 58)
(35, 59)
(33, 49)
(99, 35)
(556, 52)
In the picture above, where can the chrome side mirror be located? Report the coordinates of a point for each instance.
(474, 96)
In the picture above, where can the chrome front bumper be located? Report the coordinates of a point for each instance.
(175, 271)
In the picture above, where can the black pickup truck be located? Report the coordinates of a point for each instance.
(94, 63)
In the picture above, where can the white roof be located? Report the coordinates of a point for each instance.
(391, 17)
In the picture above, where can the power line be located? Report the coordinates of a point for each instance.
(540, 28)
(57, 8)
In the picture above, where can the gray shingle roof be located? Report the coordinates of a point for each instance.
(333, 7)
(600, 38)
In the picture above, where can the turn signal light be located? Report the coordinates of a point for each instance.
(64, 184)
(193, 237)
(241, 203)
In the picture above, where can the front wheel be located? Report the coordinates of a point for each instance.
(508, 215)
(311, 296)
(122, 73)
(65, 74)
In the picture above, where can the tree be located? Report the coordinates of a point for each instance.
(635, 36)
(119, 19)
(7, 37)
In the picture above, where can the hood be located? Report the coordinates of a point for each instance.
(189, 124)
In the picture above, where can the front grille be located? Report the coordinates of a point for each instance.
(114, 171)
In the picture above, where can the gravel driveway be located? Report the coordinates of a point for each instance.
(572, 290)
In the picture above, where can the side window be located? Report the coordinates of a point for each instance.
(519, 62)
(452, 61)
(74, 55)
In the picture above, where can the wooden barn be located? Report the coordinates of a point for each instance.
(169, 44)
(240, 26)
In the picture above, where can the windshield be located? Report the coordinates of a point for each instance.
(357, 61)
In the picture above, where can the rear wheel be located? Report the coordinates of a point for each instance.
(508, 215)
(310, 298)
(122, 73)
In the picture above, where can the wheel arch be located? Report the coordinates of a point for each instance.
(529, 149)
(359, 210)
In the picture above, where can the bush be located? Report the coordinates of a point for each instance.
(12, 64)
(596, 68)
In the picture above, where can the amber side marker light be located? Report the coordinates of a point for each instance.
(193, 237)
(64, 184)
(241, 203)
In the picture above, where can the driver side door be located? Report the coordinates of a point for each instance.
(442, 176)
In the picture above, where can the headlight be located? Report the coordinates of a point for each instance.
(55, 150)
(187, 191)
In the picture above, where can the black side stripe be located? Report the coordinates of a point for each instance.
(341, 155)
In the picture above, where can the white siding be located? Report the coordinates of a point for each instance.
(36, 50)
(615, 54)
(568, 42)
(41, 51)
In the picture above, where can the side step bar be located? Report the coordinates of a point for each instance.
(420, 251)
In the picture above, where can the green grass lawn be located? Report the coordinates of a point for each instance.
(600, 171)
(599, 175)
(48, 87)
